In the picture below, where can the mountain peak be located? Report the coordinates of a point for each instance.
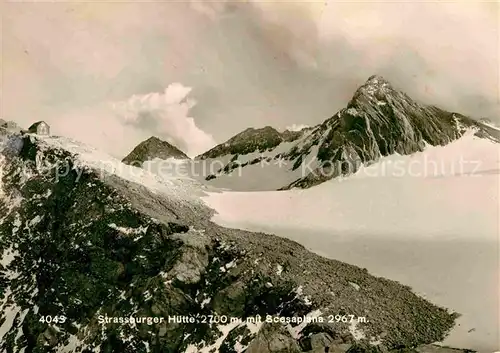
(152, 148)
(375, 89)
(251, 140)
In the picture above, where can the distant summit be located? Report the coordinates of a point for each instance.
(153, 148)
(252, 140)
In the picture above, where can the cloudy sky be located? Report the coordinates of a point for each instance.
(195, 73)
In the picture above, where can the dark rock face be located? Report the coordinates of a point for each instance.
(153, 148)
(82, 246)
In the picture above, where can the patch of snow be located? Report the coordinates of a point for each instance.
(442, 201)
(279, 269)
(458, 125)
(239, 348)
(9, 313)
(170, 168)
(205, 302)
(356, 333)
(73, 344)
(19, 325)
(11, 202)
(299, 290)
(491, 125)
(128, 231)
(375, 341)
(224, 246)
(2, 166)
(254, 327)
(296, 127)
(35, 221)
(87, 157)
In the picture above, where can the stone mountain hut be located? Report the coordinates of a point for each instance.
(39, 128)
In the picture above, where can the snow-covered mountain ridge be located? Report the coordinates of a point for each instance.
(252, 140)
(378, 121)
(83, 236)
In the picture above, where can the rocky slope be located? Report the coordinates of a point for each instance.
(378, 121)
(153, 148)
(86, 240)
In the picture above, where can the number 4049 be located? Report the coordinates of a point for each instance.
(53, 319)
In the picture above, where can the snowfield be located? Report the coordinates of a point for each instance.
(449, 191)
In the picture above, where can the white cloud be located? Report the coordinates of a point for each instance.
(166, 115)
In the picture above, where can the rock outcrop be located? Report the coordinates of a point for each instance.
(153, 148)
